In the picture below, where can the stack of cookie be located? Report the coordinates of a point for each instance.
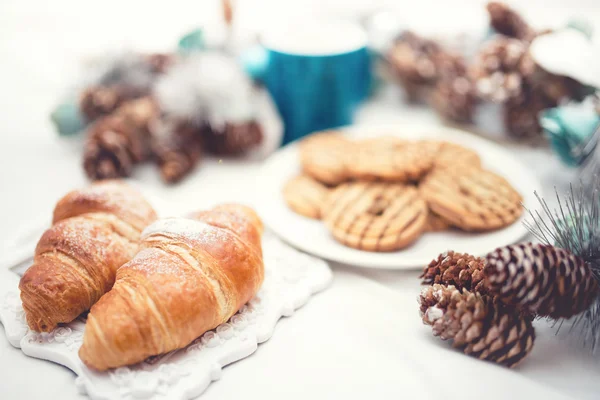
(382, 194)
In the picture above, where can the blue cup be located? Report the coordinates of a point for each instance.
(317, 73)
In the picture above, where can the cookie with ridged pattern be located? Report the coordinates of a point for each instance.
(435, 223)
(305, 196)
(323, 157)
(471, 199)
(451, 155)
(391, 160)
(375, 216)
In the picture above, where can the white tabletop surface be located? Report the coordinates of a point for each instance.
(362, 337)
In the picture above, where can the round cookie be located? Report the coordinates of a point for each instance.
(323, 155)
(471, 199)
(390, 159)
(305, 196)
(383, 141)
(451, 155)
(375, 216)
(435, 223)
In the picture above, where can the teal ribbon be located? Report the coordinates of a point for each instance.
(568, 130)
(192, 42)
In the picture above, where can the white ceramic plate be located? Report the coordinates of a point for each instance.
(312, 236)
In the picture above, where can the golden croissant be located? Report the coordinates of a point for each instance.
(95, 230)
(190, 276)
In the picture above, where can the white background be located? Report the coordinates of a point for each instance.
(361, 338)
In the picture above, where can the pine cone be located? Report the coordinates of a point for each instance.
(454, 96)
(521, 114)
(541, 279)
(461, 270)
(139, 114)
(118, 141)
(508, 22)
(177, 147)
(106, 155)
(450, 65)
(413, 61)
(233, 139)
(413, 58)
(497, 69)
(476, 325)
(99, 101)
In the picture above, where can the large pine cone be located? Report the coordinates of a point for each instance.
(508, 22)
(233, 138)
(177, 147)
(497, 69)
(413, 61)
(477, 325)
(118, 141)
(454, 96)
(541, 279)
(461, 270)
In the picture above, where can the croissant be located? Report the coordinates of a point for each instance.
(190, 276)
(95, 230)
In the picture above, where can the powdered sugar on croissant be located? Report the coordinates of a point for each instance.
(95, 231)
(189, 277)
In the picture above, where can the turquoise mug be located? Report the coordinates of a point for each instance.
(316, 72)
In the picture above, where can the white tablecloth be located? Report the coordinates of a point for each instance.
(362, 338)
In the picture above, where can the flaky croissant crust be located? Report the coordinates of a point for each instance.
(189, 277)
(95, 231)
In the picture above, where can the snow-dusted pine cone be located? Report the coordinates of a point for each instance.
(413, 61)
(541, 279)
(118, 141)
(476, 325)
(454, 96)
(450, 65)
(455, 100)
(413, 58)
(233, 138)
(461, 270)
(508, 22)
(177, 147)
(497, 70)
